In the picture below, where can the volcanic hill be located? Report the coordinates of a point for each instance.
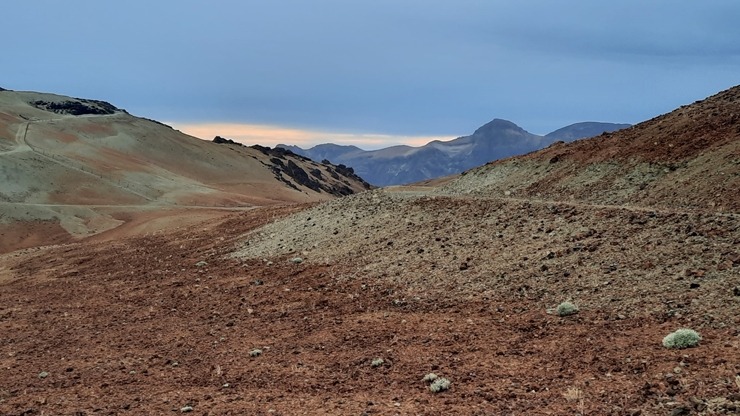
(73, 167)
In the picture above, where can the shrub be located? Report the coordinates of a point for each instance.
(439, 384)
(566, 308)
(430, 377)
(377, 362)
(683, 338)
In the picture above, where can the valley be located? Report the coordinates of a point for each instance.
(344, 305)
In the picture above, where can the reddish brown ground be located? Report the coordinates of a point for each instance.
(641, 229)
(135, 327)
(32, 234)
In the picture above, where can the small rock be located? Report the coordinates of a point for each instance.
(694, 285)
(296, 260)
(186, 409)
(681, 411)
(43, 374)
(201, 264)
(671, 380)
(698, 404)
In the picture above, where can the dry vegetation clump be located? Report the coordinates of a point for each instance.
(439, 385)
(682, 338)
(566, 308)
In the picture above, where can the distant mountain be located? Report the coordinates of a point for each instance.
(328, 151)
(582, 130)
(405, 164)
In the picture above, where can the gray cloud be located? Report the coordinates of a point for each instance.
(403, 67)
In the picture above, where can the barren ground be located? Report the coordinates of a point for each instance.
(458, 286)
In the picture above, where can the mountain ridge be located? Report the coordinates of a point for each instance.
(396, 165)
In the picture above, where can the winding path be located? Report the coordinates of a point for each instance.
(20, 140)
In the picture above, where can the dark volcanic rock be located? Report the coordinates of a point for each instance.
(221, 140)
(281, 163)
(300, 176)
(77, 107)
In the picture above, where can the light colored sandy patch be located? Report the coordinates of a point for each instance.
(82, 222)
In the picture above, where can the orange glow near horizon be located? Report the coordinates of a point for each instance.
(268, 135)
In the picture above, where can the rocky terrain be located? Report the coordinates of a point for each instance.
(496, 139)
(345, 306)
(72, 168)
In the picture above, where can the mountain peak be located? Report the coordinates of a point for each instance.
(497, 124)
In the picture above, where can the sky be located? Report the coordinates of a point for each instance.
(373, 73)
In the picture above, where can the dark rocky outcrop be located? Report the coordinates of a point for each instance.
(77, 107)
(281, 163)
(221, 140)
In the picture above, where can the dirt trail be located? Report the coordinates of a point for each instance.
(421, 191)
(20, 139)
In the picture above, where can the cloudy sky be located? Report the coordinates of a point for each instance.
(373, 72)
